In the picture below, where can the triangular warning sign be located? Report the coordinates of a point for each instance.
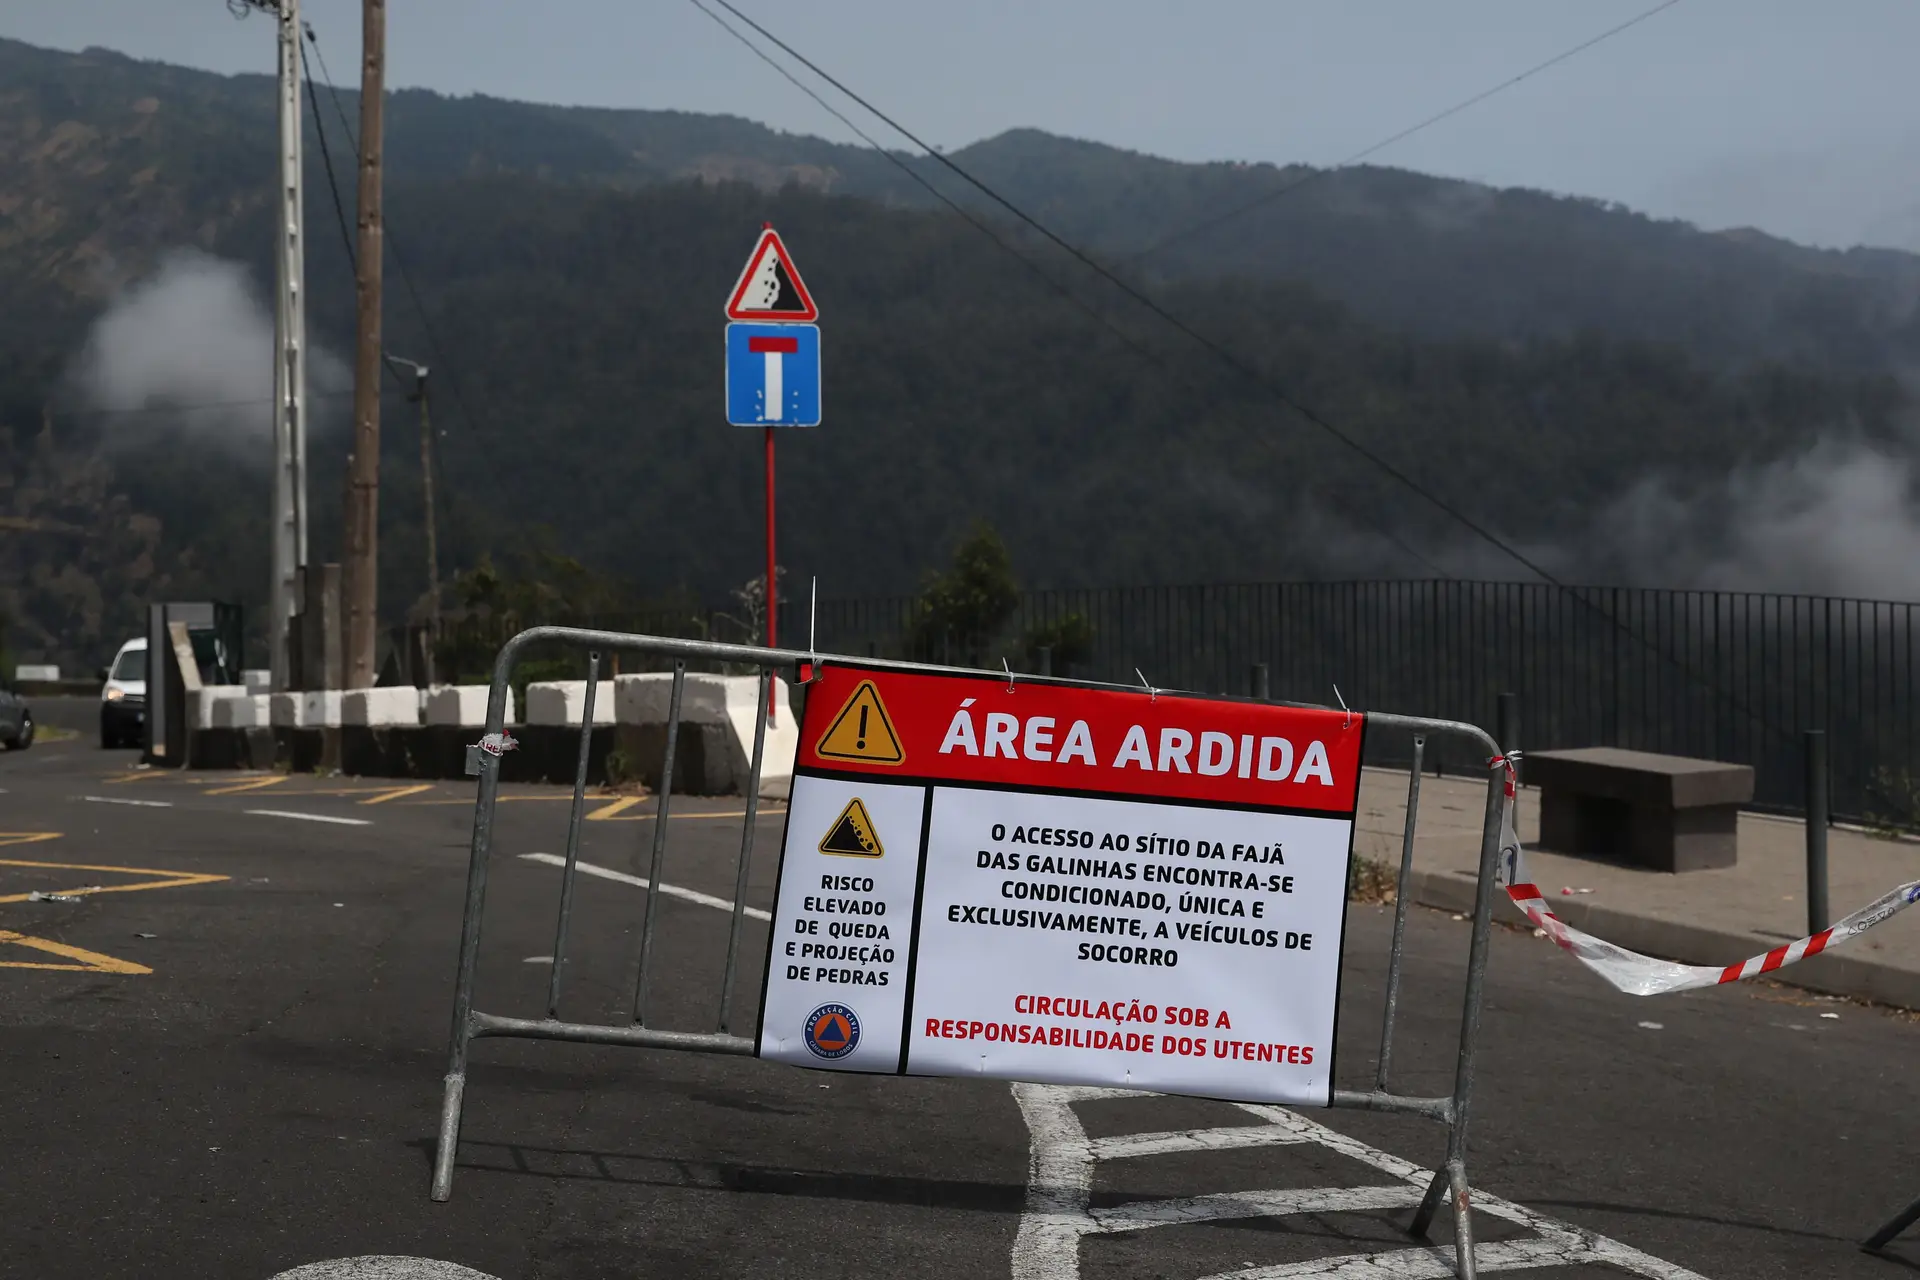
(770, 289)
(852, 834)
(862, 731)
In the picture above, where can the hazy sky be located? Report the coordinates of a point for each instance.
(1796, 117)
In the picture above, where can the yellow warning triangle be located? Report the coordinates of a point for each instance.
(862, 731)
(852, 834)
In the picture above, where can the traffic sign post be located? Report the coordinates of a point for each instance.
(773, 364)
(773, 375)
(769, 288)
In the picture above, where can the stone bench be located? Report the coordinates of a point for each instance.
(1666, 813)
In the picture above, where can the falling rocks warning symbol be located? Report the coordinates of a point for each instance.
(852, 834)
(862, 731)
(769, 288)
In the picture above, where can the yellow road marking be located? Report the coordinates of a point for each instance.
(173, 879)
(257, 784)
(27, 837)
(394, 793)
(607, 814)
(89, 961)
(617, 811)
(202, 778)
(500, 799)
(727, 813)
(82, 960)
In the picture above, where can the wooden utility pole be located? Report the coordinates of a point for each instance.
(419, 396)
(363, 467)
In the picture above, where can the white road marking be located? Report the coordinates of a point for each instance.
(640, 882)
(1060, 1179)
(382, 1268)
(1420, 1264)
(1252, 1204)
(1126, 1145)
(144, 804)
(312, 817)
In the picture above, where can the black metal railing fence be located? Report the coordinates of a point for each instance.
(1731, 676)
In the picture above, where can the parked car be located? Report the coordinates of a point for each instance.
(123, 697)
(16, 717)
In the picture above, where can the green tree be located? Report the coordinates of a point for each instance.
(963, 610)
(1067, 639)
(541, 587)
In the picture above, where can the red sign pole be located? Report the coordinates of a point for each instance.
(773, 349)
(772, 592)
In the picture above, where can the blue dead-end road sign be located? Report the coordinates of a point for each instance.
(773, 375)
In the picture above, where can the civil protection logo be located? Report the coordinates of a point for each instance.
(832, 1031)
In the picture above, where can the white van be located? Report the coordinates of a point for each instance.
(123, 697)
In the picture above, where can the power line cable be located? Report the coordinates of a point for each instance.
(1257, 375)
(986, 230)
(313, 38)
(434, 349)
(1362, 154)
(1244, 367)
(326, 160)
(914, 174)
(339, 210)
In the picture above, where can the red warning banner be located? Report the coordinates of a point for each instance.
(981, 729)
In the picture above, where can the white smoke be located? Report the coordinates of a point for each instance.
(190, 349)
(1839, 519)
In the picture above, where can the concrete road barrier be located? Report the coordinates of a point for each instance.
(305, 709)
(464, 705)
(320, 709)
(403, 732)
(715, 750)
(386, 707)
(247, 711)
(563, 702)
(643, 698)
(200, 704)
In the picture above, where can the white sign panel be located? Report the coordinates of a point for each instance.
(843, 926)
(1062, 884)
(1078, 941)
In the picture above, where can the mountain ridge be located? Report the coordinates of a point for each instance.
(1530, 359)
(1432, 255)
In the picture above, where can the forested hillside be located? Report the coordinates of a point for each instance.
(1529, 359)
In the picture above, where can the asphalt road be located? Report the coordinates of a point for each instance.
(236, 1072)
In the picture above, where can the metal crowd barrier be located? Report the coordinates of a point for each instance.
(470, 1023)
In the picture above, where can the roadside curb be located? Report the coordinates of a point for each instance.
(1834, 973)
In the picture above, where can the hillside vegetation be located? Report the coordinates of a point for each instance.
(1527, 357)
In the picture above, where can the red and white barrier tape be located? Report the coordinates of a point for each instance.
(1640, 975)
